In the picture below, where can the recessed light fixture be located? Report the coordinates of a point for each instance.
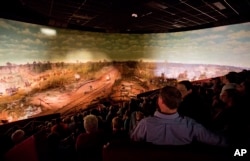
(177, 25)
(134, 15)
(48, 31)
(219, 5)
(157, 5)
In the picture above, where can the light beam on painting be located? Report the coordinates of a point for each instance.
(83, 55)
(48, 31)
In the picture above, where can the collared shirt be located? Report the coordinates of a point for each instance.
(162, 129)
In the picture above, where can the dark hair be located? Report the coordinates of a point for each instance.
(231, 92)
(95, 112)
(187, 84)
(58, 120)
(234, 95)
(117, 123)
(232, 77)
(171, 97)
(246, 83)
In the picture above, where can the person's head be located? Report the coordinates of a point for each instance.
(231, 77)
(58, 120)
(185, 87)
(169, 99)
(95, 112)
(138, 115)
(90, 123)
(244, 88)
(228, 86)
(117, 123)
(216, 81)
(17, 136)
(229, 96)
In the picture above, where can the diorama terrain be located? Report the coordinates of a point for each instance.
(42, 88)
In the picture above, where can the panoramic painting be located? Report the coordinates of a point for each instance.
(47, 70)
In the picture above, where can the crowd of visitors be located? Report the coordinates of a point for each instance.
(214, 113)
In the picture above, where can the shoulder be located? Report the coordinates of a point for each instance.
(190, 122)
(147, 119)
(82, 136)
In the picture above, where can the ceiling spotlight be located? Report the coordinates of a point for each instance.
(219, 5)
(134, 15)
(177, 25)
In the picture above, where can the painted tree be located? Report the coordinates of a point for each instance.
(9, 65)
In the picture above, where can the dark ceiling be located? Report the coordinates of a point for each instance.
(128, 16)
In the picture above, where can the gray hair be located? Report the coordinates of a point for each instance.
(17, 136)
(90, 123)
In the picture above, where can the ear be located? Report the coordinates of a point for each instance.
(189, 91)
(159, 103)
(159, 100)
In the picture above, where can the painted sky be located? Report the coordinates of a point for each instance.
(21, 43)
